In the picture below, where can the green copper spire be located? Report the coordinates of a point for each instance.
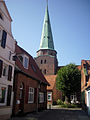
(46, 38)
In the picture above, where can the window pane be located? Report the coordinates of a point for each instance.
(1, 16)
(21, 58)
(26, 62)
(3, 43)
(31, 95)
(10, 73)
(2, 94)
(49, 96)
(1, 67)
(41, 97)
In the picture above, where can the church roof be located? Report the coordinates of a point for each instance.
(46, 37)
(51, 80)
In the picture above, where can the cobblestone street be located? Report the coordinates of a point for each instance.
(56, 114)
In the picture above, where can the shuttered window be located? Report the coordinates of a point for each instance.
(1, 67)
(10, 73)
(4, 36)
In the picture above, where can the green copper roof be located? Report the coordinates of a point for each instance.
(46, 38)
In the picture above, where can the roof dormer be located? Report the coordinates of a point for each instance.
(24, 59)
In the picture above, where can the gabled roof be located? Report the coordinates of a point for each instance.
(51, 80)
(6, 9)
(33, 70)
(46, 37)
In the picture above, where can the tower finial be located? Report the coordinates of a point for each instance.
(47, 2)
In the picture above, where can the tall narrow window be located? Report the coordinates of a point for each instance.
(49, 96)
(41, 97)
(41, 61)
(31, 95)
(1, 16)
(2, 94)
(1, 67)
(9, 95)
(4, 36)
(1, 35)
(5, 70)
(10, 73)
(44, 61)
(26, 61)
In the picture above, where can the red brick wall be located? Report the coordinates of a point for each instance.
(50, 66)
(28, 107)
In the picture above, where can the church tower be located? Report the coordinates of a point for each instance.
(47, 55)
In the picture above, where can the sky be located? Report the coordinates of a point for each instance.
(70, 23)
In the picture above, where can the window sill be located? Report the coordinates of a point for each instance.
(31, 102)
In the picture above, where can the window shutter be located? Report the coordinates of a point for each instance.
(1, 67)
(4, 36)
(35, 95)
(9, 72)
(27, 90)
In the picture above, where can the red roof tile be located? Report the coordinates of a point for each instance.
(52, 81)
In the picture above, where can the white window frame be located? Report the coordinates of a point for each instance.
(87, 98)
(41, 97)
(24, 62)
(31, 93)
(2, 104)
(6, 74)
(50, 94)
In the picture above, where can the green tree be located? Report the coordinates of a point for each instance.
(68, 80)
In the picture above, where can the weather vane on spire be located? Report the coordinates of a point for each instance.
(47, 2)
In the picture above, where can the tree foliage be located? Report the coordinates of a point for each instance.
(68, 79)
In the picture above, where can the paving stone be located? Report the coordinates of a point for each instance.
(56, 114)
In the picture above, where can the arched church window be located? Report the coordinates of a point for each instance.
(44, 61)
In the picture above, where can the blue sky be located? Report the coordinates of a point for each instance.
(70, 23)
